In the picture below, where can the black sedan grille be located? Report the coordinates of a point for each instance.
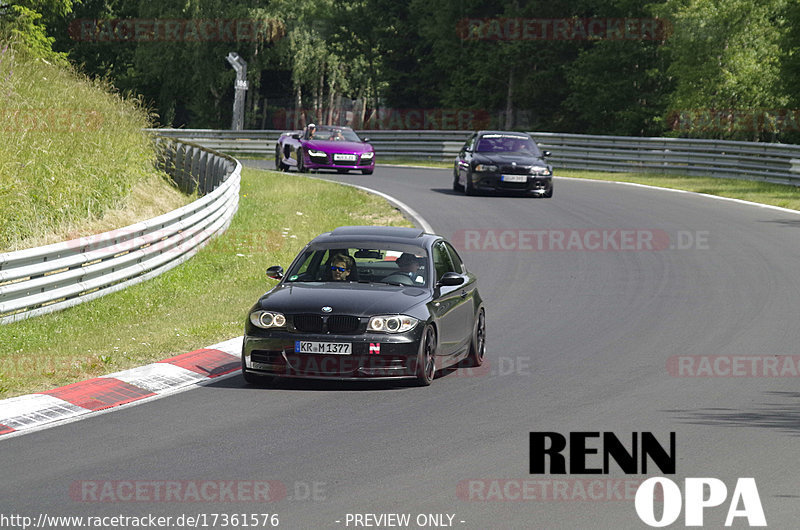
(515, 170)
(308, 323)
(331, 324)
(343, 324)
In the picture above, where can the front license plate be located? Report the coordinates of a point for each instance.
(339, 157)
(334, 348)
(514, 178)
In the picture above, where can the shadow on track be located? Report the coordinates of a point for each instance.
(784, 417)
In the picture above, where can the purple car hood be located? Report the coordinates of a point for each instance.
(337, 147)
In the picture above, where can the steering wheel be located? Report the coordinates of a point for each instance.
(399, 278)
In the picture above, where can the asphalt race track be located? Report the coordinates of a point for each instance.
(593, 298)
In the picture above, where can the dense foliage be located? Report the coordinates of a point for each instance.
(704, 68)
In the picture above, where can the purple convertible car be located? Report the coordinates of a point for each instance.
(324, 147)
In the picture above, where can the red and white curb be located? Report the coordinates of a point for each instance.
(67, 403)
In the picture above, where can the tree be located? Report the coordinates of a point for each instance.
(26, 22)
(725, 58)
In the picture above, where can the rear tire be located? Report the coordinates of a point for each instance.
(279, 165)
(477, 346)
(426, 358)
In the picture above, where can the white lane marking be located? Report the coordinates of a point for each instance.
(729, 199)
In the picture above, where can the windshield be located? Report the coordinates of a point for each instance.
(507, 143)
(333, 134)
(373, 263)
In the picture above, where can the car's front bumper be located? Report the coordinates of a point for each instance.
(327, 162)
(493, 182)
(374, 356)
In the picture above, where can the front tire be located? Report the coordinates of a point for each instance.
(426, 358)
(456, 185)
(549, 193)
(366, 172)
(301, 164)
(469, 188)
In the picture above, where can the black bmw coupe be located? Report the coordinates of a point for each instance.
(367, 302)
(502, 161)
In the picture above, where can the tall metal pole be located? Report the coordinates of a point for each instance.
(240, 65)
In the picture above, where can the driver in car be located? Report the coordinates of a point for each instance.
(407, 269)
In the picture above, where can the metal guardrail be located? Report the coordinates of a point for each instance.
(45, 279)
(714, 158)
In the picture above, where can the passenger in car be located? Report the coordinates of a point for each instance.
(341, 266)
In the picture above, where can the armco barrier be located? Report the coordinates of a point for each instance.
(714, 158)
(49, 278)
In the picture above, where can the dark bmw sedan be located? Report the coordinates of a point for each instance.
(367, 302)
(502, 161)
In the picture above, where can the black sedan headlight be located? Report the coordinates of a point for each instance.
(485, 168)
(541, 171)
(267, 319)
(392, 323)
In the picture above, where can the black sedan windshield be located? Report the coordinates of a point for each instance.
(379, 263)
(507, 143)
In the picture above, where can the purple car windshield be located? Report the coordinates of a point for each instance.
(335, 134)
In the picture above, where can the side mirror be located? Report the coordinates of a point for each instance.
(275, 272)
(450, 279)
(365, 140)
(546, 153)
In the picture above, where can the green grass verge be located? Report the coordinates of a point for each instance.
(197, 304)
(73, 150)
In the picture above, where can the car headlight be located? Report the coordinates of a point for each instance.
(391, 323)
(267, 319)
(367, 156)
(485, 167)
(541, 171)
(312, 152)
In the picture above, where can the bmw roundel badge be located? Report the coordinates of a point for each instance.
(327, 309)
